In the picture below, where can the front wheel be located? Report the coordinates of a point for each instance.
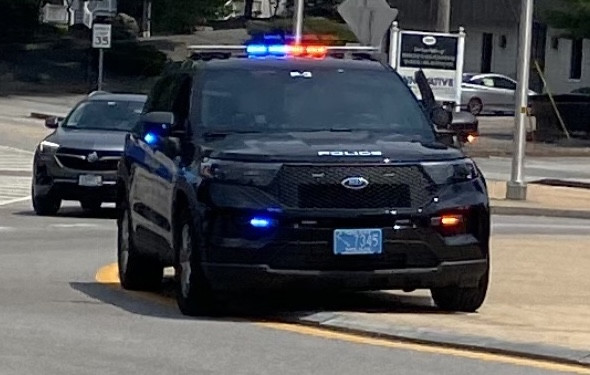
(193, 293)
(458, 299)
(45, 205)
(136, 271)
(475, 106)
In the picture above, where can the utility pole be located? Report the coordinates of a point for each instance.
(443, 16)
(298, 20)
(516, 188)
(147, 19)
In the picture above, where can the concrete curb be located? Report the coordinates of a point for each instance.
(379, 329)
(42, 116)
(533, 211)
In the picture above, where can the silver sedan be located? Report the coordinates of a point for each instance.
(489, 93)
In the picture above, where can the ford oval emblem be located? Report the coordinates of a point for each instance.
(429, 40)
(355, 183)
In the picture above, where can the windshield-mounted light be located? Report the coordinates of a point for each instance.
(449, 172)
(47, 146)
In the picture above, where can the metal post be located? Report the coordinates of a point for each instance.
(100, 68)
(516, 188)
(460, 66)
(394, 33)
(147, 19)
(443, 17)
(298, 22)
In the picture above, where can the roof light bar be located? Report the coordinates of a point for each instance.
(282, 50)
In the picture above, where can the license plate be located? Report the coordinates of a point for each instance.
(358, 241)
(90, 180)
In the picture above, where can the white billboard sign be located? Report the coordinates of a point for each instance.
(439, 56)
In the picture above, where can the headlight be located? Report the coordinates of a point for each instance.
(258, 174)
(47, 147)
(443, 173)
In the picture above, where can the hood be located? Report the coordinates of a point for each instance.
(89, 139)
(326, 147)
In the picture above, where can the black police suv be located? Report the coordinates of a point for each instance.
(298, 173)
(78, 161)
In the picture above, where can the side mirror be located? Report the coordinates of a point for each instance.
(155, 125)
(464, 120)
(52, 122)
(441, 117)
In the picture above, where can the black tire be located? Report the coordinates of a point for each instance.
(475, 106)
(136, 271)
(459, 299)
(194, 295)
(90, 204)
(45, 205)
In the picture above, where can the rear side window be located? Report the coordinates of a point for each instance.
(279, 99)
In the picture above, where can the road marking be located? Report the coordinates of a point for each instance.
(15, 160)
(77, 225)
(431, 349)
(13, 201)
(14, 189)
(108, 275)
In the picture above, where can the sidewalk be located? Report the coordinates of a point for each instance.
(541, 201)
(538, 305)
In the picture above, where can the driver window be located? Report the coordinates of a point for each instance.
(488, 82)
(505, 84)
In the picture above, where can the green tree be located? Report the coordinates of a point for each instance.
(181, 16)
(571, 16)
(19, 20)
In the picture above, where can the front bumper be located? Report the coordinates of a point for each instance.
(298, 253)
(254, 277)
(51, 178)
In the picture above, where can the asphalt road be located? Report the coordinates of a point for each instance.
(56, 319)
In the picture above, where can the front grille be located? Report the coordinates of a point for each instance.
(320, 187)
(373, 196)
(78, 159)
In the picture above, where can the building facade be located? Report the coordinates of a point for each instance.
(492, 40)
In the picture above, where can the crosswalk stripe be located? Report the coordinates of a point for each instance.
(15, 160)
(14, 189)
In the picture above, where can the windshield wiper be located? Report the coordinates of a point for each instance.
(340, 130)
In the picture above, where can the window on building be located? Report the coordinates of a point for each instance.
(576, 59)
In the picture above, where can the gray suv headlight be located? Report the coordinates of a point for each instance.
(47, 147)
(257, 174)
(448, 172)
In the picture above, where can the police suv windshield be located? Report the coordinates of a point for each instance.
(279, 100)
(114, 115)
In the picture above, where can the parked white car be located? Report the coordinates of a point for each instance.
(489, 93)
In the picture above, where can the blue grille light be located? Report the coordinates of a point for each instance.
(260, 222)
(150, 138)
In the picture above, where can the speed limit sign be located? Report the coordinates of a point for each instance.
(101, 36)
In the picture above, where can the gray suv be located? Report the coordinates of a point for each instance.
(78, 161)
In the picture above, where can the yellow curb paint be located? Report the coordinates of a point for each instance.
(109, 275)
(424, 348)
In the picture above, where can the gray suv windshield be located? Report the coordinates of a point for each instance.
(274, 99)
(113, 115)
